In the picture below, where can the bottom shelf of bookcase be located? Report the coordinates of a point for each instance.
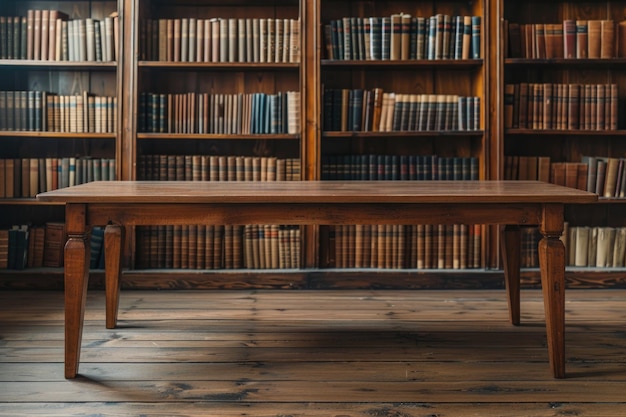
(153, 279)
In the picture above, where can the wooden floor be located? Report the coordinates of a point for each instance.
(313, 353)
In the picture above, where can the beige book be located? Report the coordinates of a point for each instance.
(619, 247)
(278, 40)
(294, 49)
(396, 37)
(606, 238)
(594, 38)
(582, 246)
(271, 40)
(592, 247)
(215, 40)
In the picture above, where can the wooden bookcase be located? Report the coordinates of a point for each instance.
(35, 71)
(356, 67)
(564, 136)
(150, 78)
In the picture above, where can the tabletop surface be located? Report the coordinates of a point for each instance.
(318, 192)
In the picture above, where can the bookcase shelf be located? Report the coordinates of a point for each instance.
(563, 132)
(406, 64)
(60, 65)
(57, 135)
(219, 66)
(200, 136)
(569, 62)
(401, 134)
(570, 54)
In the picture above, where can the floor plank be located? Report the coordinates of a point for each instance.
(313, 353)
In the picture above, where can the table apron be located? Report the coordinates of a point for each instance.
(99, 214)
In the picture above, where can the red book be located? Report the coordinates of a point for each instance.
(569, 38)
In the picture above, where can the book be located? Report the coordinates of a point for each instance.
(607, 39)
(54, 244)
(594, 38)
(569, 38)
(582, 38)
(4, 248)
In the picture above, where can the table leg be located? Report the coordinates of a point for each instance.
(113, 238)
(511, 246)
(76, 260)
(552, 265)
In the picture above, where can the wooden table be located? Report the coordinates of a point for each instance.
(119, 204)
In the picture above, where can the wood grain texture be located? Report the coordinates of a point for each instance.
(313, 353)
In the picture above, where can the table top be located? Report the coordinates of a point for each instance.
(318, 192)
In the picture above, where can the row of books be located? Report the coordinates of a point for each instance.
(593, 246)
(23, 246)
(49, 35)
(398, 167)
(25, 177)
(221, 40)
(249, 113)
(38, 111)
(572, 39)
(403, 37)
(160, 167)
(378, 111)
(218, 247)
(421, 246)
(561, 106)
(605, 176)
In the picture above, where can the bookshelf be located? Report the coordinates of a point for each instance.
(59, 111)
(217, 96)
(452, 109)
(403, 94)
(565, 58)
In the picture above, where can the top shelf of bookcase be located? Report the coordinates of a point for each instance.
(405, 63)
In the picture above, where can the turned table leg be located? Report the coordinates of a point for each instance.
(552, 265)
(76, 260)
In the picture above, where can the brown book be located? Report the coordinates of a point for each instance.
(522, 168)
(54, 242)
(25, 166)
(571, 174)
(543, 168)
(162, 36)
(594, 47)
(582, 38)
(544, 41)
(547, 107)
(405, 31)
(396, 36)
(558, 173)
(3, 178)
(509, 105)
(4, 248)
(524, 105)
(610, 179)
(607, 39)
(558, 39)
(621, 39)
(573, 107)
(582, 172)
